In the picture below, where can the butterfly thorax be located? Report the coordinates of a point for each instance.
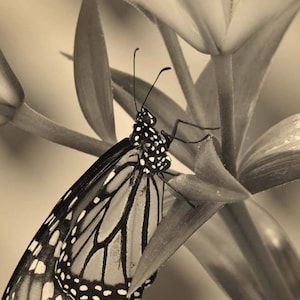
(153, 146)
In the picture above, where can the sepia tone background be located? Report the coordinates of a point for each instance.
(34, 173)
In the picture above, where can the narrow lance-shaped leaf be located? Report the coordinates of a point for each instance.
(11, 91)
(250, 65)
(274, 159)
(35, 123)
(279, 246)
(92, 73)
(217, 252)
(184, 218)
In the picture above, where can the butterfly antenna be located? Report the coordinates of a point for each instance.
(133, 84)
(162, 70)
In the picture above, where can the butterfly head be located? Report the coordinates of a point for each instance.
(144, 116)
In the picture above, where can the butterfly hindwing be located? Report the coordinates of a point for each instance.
(100, 255)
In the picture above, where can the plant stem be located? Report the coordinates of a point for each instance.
(236, 215)
(183, 73)
(33, 122)
(223, 74)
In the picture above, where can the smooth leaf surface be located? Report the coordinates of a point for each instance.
(11, 91)
(274, 159)
(230, 269)
(250, 65)
(249, 16)
(179, 224)
(212, 181)
(279, 246)
(217, 252)
(216, 26)
(92, 73)
(181, 221)
(35, 123)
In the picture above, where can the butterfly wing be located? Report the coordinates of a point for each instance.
(33, 278)
(100, 255)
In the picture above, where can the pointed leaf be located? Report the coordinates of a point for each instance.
(212, 183)
(279, 246)
(35, 123)
(274, 159)
(92, 73)
(249, 16)
(207, 89)
(181, 221)
(229, 268)
(11, 91)
(250, 64)
(216, 250)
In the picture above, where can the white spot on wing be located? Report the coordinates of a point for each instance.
(33, 245)
(107, 292)
(110, 176)
(37, 250)
(82, 214)
(96, 200)
(33, 265)
(57, 249)
(40, 267)
(67, 195)
(83, 288)
(72, 202)
(48, 290)
(69, 216)
(122, 292)
(54, 238)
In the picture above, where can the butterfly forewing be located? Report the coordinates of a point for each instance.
(33, 278)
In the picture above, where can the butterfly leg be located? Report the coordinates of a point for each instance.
(170, 137)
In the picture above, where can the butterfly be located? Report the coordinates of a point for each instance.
(89, 246)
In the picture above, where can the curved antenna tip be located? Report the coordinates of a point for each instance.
(165, 69)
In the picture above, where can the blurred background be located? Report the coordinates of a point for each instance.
(34, 173)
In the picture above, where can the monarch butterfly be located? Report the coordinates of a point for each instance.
(90, 244)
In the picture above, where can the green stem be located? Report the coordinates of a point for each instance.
(33, 122)
(183, 73)
(236, 215)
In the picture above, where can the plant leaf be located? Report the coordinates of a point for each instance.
(250, 64)
(212, 183)
(11, 91)
(274, 159)
(35, 123)
(92, 73)
(230, 269)
(216, 250)
(181, 221)
(279, 246)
